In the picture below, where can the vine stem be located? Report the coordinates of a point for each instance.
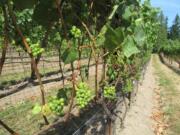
(44, 43)
(96, 78)
(58, 3)
(103, 77)
(79, 59)
(6, 39)
(89, 62)
(72, 94)
(60, 64)
(31, 57)
(8, 128)
(2, 60)
(94, 54)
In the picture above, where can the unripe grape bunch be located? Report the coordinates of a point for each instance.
(56, 105)
(76, 32)
(83, 95)
(110, 92)
(36, 49)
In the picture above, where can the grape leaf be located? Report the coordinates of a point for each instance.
(127, 13)
(113, 38)
(129, 47)
(139, 35)
(69, 55)
(101, 37)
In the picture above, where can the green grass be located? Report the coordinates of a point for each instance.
(21, 119)
(170, 96)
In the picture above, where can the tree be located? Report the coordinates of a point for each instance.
(175, 28)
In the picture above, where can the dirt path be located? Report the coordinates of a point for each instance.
(138, 121)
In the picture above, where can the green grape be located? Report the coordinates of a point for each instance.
(36, 49)
(110, 92)
(75, 32)
(56, 105)
(83, 95)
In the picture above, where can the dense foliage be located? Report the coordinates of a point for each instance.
(122, 33)
(172, 49)
(168, 41)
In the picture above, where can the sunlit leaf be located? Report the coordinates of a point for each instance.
(139, 35)
(113, 38)
(69, 55)
(129, 47)
(127, 13)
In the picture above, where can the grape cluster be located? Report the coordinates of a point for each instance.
(36, 49)
(56, 105)
(83, 95)
(110, 92)
(76, 32)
